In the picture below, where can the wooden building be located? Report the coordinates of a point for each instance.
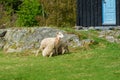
(98, 13)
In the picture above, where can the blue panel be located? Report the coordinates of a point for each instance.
(109, 12)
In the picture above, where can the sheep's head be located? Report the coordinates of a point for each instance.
(60, 35)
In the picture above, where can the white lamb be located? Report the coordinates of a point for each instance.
(50, 45)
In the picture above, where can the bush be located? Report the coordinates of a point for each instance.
(27, 13)
(8, 10)
(60, 13)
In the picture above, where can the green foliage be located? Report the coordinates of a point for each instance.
(27, 13)
(7, 12)
(4, 17)
(119, 37)
(60, 13)
(95, 64)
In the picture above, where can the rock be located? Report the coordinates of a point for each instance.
(22, 39)
(110, 38)
(91, 28)
(73, 39)
(117, 28)
(2, 43)
(3, 33)
(86, 43)
(110, 35)
(2, 39)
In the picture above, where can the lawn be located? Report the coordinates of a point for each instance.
(100, 62)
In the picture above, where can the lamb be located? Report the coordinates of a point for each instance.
(63, 47)
(50, 43)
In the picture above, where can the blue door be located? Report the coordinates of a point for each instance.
(109, 12)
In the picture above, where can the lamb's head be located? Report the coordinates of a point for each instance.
(60, 35)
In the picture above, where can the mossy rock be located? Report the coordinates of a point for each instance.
(21, 39)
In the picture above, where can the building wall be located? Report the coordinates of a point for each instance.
(118, 12)
(89, 13)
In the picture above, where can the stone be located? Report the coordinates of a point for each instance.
(110, 38)
(2, 39)
(91, 28)
(22, 39)
(2, 43)
(110, 35)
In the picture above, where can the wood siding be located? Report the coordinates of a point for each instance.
(89, 13)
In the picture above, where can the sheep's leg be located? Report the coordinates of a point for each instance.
(40, 49)
(63, 50)
(67, 50)
(44, 53)
(56, 51)
(51, 54)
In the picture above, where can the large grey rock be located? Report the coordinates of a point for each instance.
(22, 39)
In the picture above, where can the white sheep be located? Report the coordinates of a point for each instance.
(52, 47)
(49, 49)
(50, 43)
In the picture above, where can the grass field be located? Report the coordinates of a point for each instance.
(101, 62)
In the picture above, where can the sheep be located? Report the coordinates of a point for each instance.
(47, 42)
(49, 49)
(52, 47)
(63, 47)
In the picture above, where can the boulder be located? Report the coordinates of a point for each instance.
(22, 39)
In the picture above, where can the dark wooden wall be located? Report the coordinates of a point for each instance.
(118, 12)
(89, 12)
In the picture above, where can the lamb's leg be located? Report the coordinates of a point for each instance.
(63, 50)
(56, 51)
(67, 50)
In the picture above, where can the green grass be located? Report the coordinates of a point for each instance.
(101, 62)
